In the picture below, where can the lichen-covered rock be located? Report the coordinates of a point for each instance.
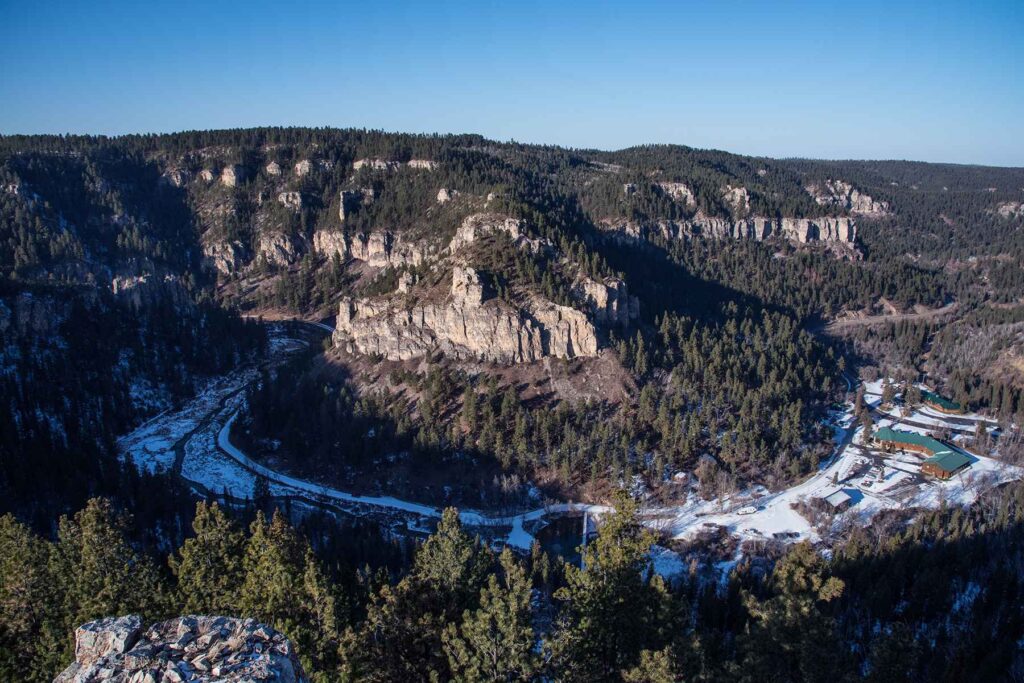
(203, 649)
(843, 195)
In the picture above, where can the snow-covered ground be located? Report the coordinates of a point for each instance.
(200, 433)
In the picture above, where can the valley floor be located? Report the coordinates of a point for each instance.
(194, 442)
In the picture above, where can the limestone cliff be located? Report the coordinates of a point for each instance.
(196, 648)
(465, 327)
(843, 195)
(840, 229)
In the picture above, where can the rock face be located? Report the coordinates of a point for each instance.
(1010, 210)
(376, 164)
(680, 192)
(609, 301)
(738, 199)
(843, 195)
(378, 249)
(290, 200)
(839, 229)
(178, 177)
(481, 224)
(465, 327)
(225, 257)
(231, 175)
(279, 249)
(196, 648)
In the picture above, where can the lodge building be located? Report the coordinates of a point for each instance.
(942, 462)
(941, 403)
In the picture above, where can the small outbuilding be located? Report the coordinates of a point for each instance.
(838, 500)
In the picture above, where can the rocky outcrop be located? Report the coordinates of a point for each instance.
(479, 225)
(378, 249)
(327, 243)
(839, 229)
(206, 175)
(609, 301)
(422, 164)
(680, 192)
(376, 164)
(445, 195)
(273, 168)
(737, 199)
(196, 648)
(290, 200)
(303, 167)
(843, 195)
(231, 175)
(279, 249)
(176, 177)
(1010, 210)
(225, 257)
(465, 327)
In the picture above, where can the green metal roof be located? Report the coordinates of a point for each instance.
(950, 461)
(927, 442)
(932, 397)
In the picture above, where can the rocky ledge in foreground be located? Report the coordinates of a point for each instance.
(185, 649)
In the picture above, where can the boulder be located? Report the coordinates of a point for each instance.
(200, 649)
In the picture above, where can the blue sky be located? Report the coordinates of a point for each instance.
(936, 81)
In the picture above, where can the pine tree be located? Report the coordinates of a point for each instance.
(495, 642)
(98, 573)
(790, 638)
(31, 630)
(209, 565)
(274, 567)
(612, 609)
